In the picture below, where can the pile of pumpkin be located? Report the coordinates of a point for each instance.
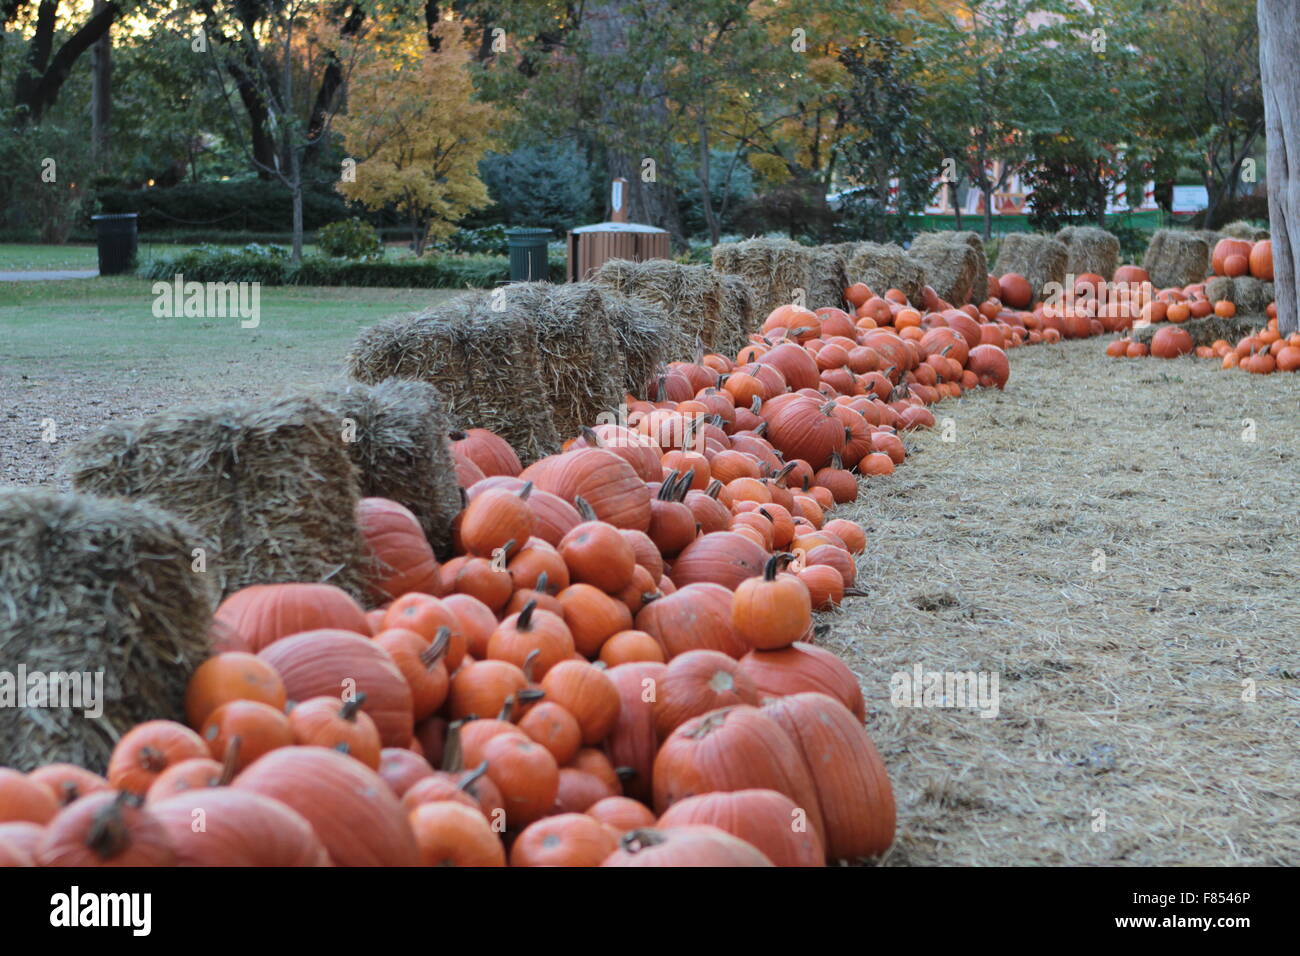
(1262, 353)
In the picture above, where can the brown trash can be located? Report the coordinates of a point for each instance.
(590, 247)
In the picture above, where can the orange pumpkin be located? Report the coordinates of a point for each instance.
(401, 557)
(254, 617)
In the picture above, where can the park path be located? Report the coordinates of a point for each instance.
(48, 276)
(1115, 541)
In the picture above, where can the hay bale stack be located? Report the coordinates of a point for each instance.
(827, 278)
(1219, 288)
(972, 239)
(777, 270)
(1040, 259)
(883, 267)
(270, 486)
(580, 360)
(1211, 240)
(1176, 258)
(1251, 295)
(99, 586)
(1244, 230)
(645, 339)
(1090, 249)
(399, 444)
(691, 296)
(739, 320)
(1206, 330)
(480, 351)
(952, 267)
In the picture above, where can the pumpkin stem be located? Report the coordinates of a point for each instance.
(760, 428)
(660, 388)
(684, 485)
(625, 773)
(530, 695)
(774, 565)
(108, 835)
(666, 486)
(708, 723)
(525, 620)
(828, 408)
(589, 435)
(585, 509)
(780, 477)
(155, 761)
(452, 755)
(634, 841)
(714, 489)
(756, 404)
(473, 776)
(457, 435)
(433, 653)
(230, 762)
(506, 707)
(350, 707)
(836, 461)
(530, 662)
(525, 491)
(541, 583)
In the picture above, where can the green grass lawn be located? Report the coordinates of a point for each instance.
(102, 325)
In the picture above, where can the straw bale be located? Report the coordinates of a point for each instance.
(952, 269)
(691, 296)
(399, 443)
(827, 278)
(1176, 258)
(778, 270)
(104, 587)
(883, 267)
(270, 485)
(1040, 259)
(1090, 249)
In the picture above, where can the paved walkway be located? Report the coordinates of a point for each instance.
(37, 276)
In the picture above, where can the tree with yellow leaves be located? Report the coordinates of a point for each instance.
(417, 133)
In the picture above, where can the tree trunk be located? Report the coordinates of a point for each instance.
(101, 94)
(40, 76)
(986, 188)
(635, 117)
(295, 184)
(1279, 52)
(956, 202)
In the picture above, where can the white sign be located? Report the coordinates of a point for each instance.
(1189, 199)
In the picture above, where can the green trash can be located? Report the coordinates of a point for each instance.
(528, 254)
(116, 237)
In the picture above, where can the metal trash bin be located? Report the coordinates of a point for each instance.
(116, 237)
(528, 261)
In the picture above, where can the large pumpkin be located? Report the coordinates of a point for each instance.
(105, 829)
(1171, 342)
(806, 429)
(1261, 260)
(694, 845)
(803, 667)
(488, 450)
(254, 617)
(734, 748)
(765, 819)
(723, 557)
(695, 683)
(332, 663)
(402, 559)
(694, 617)
(632, 743)
(1225, 249)
(603, 479)
(355, 815)
(240, 828)
(851, 784)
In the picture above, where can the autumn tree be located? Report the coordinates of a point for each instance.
(1211, 103)
(417, 133)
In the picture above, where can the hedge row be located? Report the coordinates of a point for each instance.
(246, 205)
(270, 265)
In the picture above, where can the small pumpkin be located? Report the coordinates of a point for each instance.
(148, 749)
(567, 839)
(401, 558)
(532, 630)
(527, 776)
(235, 675)
(23, 800)
(450, 834)
(622, 813)
(772, 611)
(597, 554)
(250, 727)
(338, 724)
(497, 522)
(68, 782)
(586, 693)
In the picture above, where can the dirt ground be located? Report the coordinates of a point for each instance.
(1102, 537)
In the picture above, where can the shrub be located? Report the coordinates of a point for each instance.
(488, 240)
(270, 265)
(350, 239)
(250, 205)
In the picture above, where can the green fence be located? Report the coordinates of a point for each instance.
(1147, 221)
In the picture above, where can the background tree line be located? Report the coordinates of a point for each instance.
(723, 115)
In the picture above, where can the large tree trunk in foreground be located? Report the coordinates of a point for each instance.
(1279, 52)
